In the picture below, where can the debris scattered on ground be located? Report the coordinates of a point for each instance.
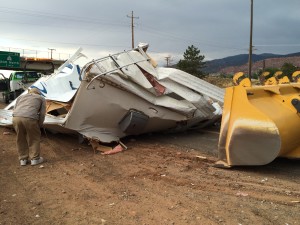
(243, 194)
(295, 201)
(98, 147)
(201, 157)
(118, 148)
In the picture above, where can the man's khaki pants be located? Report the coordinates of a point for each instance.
(28, 137)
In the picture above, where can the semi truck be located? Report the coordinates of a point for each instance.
(17, 82)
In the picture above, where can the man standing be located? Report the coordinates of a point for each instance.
(28, 116)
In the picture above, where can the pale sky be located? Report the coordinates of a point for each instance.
(219, 28)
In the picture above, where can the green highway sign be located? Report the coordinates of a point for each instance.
(9, 59)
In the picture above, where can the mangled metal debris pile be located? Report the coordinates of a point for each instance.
(124, 94)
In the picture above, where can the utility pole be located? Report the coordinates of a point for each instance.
(250, 45)
(132, 28)
(168, 59)
(51, 50)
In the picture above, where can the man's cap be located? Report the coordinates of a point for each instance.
(35, 91)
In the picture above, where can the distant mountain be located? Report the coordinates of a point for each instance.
(217, 65)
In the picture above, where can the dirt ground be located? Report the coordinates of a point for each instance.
(160, 179)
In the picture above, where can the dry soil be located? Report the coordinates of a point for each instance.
(160, 179)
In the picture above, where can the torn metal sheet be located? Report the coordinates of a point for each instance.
(6, 118)
(125, 94)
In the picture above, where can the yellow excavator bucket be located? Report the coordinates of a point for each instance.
(260, 123)
(266, 78)
(296, 76)
(281, 78)
(241, 80)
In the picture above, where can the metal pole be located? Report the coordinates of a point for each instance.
(168, 60)
(132, 28)
(250, 45)
(51, 50)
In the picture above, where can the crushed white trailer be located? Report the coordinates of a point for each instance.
(124, 94)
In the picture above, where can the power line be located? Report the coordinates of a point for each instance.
(154, 31)
(151, 30)
(61, 17)
(278, 45)
(71, 43)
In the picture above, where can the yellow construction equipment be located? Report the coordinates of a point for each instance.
(266, 78)
(296, 77)
(239, 79)
(281, 78)
(260, 123)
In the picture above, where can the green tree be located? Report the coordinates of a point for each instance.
(271, 70)
(288, 69)
(192, 62)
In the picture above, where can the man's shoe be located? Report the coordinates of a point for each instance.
(37, 161)
(23, 162)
